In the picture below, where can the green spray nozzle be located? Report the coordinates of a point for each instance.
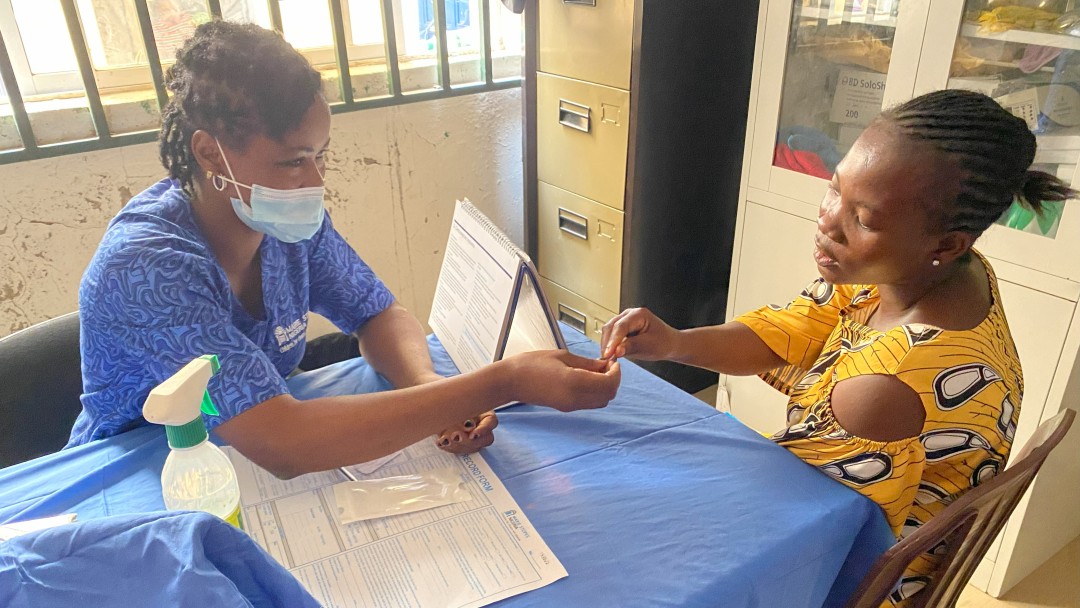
(207, 407)
(179, 402)
(182, 397)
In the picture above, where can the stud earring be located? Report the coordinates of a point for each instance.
(936, 262)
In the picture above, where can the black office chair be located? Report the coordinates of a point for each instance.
(40, 384)
(328, 349)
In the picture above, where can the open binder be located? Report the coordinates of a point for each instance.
(488, 302)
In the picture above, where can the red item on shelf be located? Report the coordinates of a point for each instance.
(801, 161)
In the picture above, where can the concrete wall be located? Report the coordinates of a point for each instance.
(393, 176)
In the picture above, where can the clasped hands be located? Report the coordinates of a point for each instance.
(554, 378)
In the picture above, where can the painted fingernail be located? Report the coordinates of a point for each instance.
(469, 423)
(474, 436)
(445, 442)
(457, 438)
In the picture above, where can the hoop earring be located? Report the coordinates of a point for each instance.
(936, 262)
(218, 183)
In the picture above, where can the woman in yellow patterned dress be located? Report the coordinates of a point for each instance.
(903, 379)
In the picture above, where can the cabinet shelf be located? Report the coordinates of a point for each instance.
(1064, 139)
(848, 17)
(1061, 41)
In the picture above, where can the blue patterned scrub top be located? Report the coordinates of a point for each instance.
(154, 297)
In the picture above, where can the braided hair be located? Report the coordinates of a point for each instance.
(233, 80)
(994, 148)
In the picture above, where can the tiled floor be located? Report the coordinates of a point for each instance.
(1054, 585)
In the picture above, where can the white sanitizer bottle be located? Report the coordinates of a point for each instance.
(197, 476)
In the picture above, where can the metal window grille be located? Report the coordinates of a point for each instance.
(438, 10)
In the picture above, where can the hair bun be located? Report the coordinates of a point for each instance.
(1038, 187)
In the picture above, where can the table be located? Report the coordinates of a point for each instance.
(656, 500)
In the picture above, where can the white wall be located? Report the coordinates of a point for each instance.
(394, 174)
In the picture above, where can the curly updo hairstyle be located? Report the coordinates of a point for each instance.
(233, 80)
(994, 148)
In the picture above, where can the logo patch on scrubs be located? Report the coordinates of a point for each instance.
(288, 337)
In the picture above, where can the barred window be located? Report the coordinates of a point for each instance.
(77, 75)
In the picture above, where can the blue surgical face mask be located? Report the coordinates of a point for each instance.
(287, 215)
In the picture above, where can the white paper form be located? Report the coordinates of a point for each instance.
(473, 292)
(467, 554)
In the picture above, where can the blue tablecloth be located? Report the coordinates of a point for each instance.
(152, 559)
(656, 500)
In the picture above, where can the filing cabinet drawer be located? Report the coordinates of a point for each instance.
(576, 311)
(587, 39)
(582, 137)
(580, 244)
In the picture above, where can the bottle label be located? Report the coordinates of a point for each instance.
(234, 518)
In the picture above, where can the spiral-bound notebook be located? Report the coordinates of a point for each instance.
(488, 302)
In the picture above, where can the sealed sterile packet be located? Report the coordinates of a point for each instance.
(374, 498)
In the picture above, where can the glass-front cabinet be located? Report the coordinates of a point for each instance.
(1026, 55)
(829, 67)
(837, 62)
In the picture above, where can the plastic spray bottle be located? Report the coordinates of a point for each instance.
(197, 476)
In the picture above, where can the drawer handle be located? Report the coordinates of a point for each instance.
(580, 2)
(571, 317)
(574, 115)
(574, 224)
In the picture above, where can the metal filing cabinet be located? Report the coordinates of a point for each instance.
(635, 114)
(580, 244)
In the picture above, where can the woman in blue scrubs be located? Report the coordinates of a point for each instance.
(229, 253)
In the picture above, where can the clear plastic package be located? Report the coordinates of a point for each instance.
(374, 498)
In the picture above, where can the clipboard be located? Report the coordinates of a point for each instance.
(527, 272)
(489, 303)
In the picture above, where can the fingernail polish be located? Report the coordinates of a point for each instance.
(445, 442)
(469, 424)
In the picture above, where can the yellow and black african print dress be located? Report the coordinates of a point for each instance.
(969, 381)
